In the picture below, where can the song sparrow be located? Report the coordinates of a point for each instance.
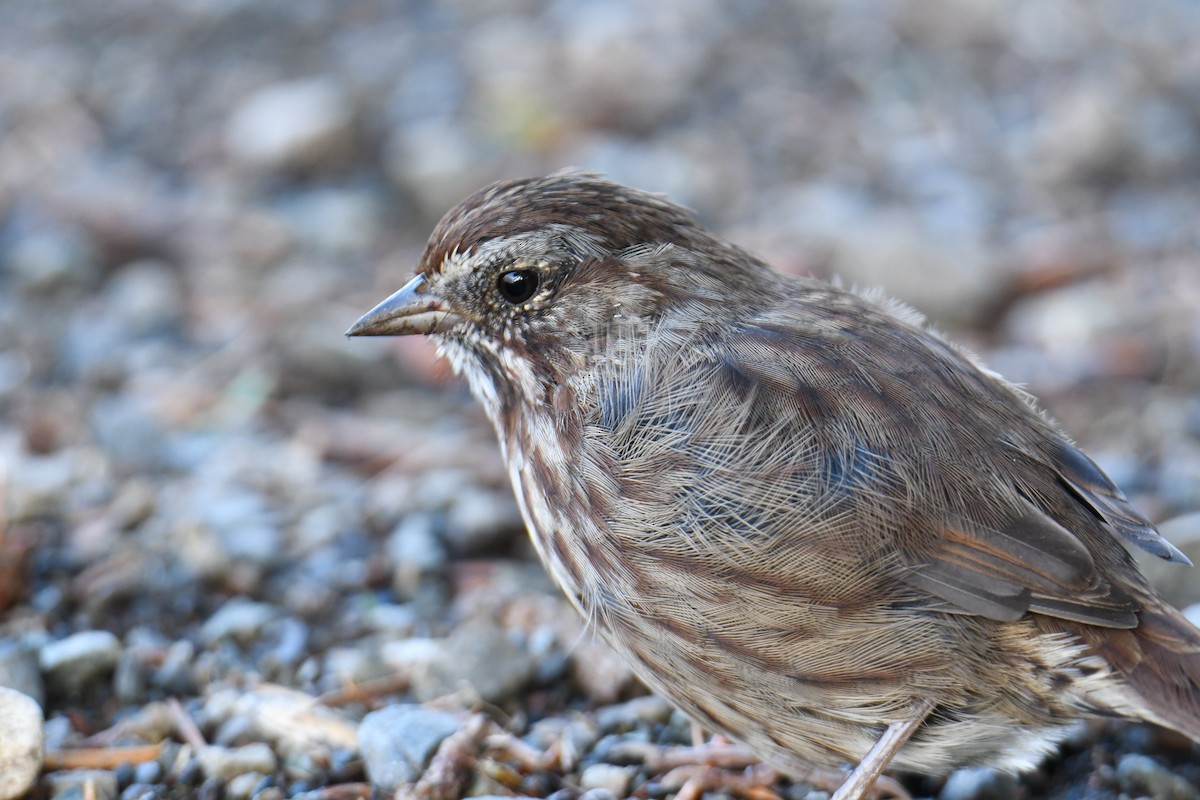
(798, 513)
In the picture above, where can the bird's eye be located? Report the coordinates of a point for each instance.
(518, 285)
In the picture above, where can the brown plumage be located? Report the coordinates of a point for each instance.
(801, 515)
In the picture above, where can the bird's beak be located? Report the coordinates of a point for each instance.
(413, 309)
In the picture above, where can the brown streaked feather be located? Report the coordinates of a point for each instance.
(1159, 661)
(986, 548)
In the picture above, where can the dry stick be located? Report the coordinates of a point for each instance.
(346, 791)
(365, 690)
(185, 726)
(524, 754)
(99, 757)
(447, 775)
(657, 758)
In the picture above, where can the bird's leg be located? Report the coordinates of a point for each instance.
(860, 783)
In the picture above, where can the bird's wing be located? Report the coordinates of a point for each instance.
(985, 508)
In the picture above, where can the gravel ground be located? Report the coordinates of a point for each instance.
(242, 557)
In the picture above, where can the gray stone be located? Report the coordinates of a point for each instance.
(478, 519)
(393, 619)
(295, 123)
(38, 485)
(175, 673)
(646, 710)
(129, 433)
(608, 777)
(146, 295)
(20, 743)
(19, 670)
(1140, 775)
(244, 520)
(47, 260)
(71, 663)
(415, 551)
(477, 654)
(358, 664)
(979, 783)
(242, 786)
(227, 763)
(142, 791)
(398, 742)
(239, 619)
(148, 772)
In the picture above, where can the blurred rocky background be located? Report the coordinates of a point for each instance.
(229, 534)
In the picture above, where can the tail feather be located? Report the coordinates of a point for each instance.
(1160, 662)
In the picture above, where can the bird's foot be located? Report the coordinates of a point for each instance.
(723, 767)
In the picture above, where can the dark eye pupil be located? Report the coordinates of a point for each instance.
(518, 285)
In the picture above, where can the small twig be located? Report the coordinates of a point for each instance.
(365, 690)
(345, 791)
(696, 779)
(661, 759)
(525, 755)
(185, 726)
(446, 778)
(99, 757)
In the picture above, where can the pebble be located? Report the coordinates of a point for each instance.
(359, 664)
(598, 793)
(48, 260)
(416, 551)
(291, 642)
(71, 663)
(392, 618)
(478, 519)
(243, 786)
(227, 763)
(611, 778)
(153, 722)
(336, 221)
(146, 295)
(19, 670)
(979, 783)
(1140, 775)
(478, 654)
(20, 743)
(646, 710)
(244, 520)
(239, 619)
(601, 673)
(148, 772)
(291, 124)
(58, 733)
(397, 742)
(129, 433)
(143, 791)
(175, 673)
(289, 718)
(38, 486)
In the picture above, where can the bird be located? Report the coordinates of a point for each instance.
(798, 512)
